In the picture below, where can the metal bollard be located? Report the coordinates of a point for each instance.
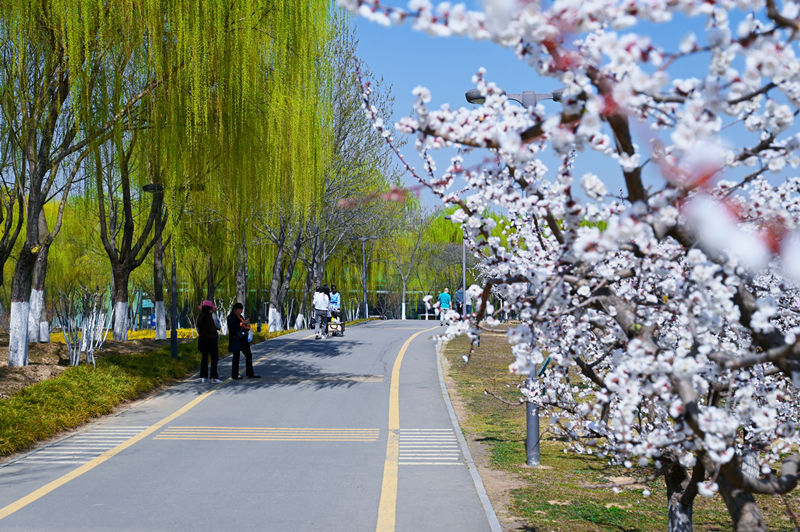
(532, 426)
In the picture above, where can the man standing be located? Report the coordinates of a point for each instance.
(238, 329)
(444, 305)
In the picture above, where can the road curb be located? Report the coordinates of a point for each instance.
(491, 516)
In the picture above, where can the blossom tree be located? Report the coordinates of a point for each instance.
(669, 310)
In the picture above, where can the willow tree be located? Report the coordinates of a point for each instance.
(205, 63)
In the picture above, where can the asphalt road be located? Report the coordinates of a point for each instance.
(347, 434)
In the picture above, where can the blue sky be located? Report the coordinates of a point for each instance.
(406, 58)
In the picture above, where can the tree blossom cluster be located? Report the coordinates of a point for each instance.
(671, 312)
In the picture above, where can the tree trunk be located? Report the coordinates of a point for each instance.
(121, 275)
(158, 289)
(21, 287)
(274, 319)
(742, 507)
(241, 274)
(403, 305)
(211, 273)
(679, 509)
(37, 288)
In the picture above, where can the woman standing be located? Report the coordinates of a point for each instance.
(238, 328)
(207, 341)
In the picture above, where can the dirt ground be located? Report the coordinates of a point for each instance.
(498, 484)
(49, 360)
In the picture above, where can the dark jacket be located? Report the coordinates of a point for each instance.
(237, 333)
(205, 326)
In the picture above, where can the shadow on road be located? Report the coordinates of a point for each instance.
(289, 362)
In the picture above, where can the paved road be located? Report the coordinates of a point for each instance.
(346, 434)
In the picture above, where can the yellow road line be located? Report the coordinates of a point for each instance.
(88, 466)
(387, 508)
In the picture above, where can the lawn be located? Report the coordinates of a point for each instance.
(563, 495)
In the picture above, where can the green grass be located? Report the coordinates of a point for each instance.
(557, 497)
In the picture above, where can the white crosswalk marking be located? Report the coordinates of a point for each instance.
(81, 447)
(429, 447)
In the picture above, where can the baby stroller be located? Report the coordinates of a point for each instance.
(336, 324)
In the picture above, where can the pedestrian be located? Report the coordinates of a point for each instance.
(207, 341)
(238, 330)
(336, 307)
(444, 305)
(458, 299)
(321, 303)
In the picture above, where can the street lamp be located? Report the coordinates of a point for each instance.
(364, 239)
(463, 269)
(527, 98)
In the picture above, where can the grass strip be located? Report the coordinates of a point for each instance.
(556, 497)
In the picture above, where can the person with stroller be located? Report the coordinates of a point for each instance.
(336, 307)
(321, 304)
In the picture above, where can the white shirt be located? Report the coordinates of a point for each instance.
(321, 301)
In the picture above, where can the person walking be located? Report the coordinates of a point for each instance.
(444, 305)
(238, 329)
(336, 307)
(207, 333)
(321, 303)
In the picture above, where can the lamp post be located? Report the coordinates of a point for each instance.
(365, 306)
(173, 307)
(463, 271)
(526, 99)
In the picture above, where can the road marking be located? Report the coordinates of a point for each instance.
(387, 508)
(88, 466)
(429, 447)
(269, 434)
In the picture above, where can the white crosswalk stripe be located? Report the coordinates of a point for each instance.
(429, 447)
(81, 447)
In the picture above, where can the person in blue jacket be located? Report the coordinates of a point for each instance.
(444, 305)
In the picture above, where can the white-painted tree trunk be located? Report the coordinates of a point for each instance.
(121, 321)
(274, 320)
(18, 334)
(34, 314)
(300, 322)
(404, 310)
(161, 321)
(44, 332)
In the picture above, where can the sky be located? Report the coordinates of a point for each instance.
(406, 58)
